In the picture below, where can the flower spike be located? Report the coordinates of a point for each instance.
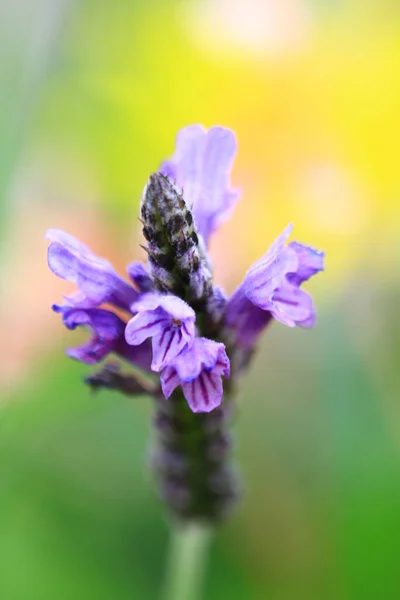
(183, 341)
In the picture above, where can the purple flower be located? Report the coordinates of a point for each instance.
(95, 277)
(198, 369)
(201, 166)
(107, 336)
(97, 283)
(271, 289)
(168, 320)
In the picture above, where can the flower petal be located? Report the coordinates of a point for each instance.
(106, 324)
(140, 277)
(107, 336)
(169, 381)
(171, 305)
(167, 345)
(107, 328)
(95, 277)
(204, 393)
(218, 198)
(198, 369)
(311, 262)
(144, 325)
(268, 273)
(271, 289)
(309, 322)
(291, 305)
(202, 354)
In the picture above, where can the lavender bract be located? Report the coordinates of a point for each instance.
(173, 321)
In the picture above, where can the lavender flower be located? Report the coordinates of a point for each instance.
(197, 334)
(107, 336)
(198, 369)
(95, 277)
(98, 284)
(271, 289)
(168, 320)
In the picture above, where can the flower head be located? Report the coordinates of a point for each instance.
(173, 320)
(182, 205)
(166, 319)
(198, 369)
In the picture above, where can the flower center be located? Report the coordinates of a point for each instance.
(176, 322)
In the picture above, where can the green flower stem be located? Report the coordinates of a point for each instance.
(186, 562)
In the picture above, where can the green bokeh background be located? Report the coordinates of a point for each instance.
(92, 95)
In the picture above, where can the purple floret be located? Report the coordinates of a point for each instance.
(97, 283)
(107, 336)
(166, 319)
(95, 277)
(198, 369)
(271, 289)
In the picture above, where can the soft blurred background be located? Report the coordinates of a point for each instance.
(92, 94)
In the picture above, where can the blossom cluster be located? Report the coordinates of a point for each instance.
(170, 318)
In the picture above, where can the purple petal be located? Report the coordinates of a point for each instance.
(198, 369)
(291, 305)
(144, 325)
(95, 277)
(108, 325)
(106, 328)
(218, 198)
(260, 282)
(309, 322)
(107, 336)
(202, 354)
(168, 320)
(169, 381)
(271, 289)
(169, 304)
(311, 262)
(201, 166)
(268, 273)
(204, 393)
(168, 344)
(140, 277)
